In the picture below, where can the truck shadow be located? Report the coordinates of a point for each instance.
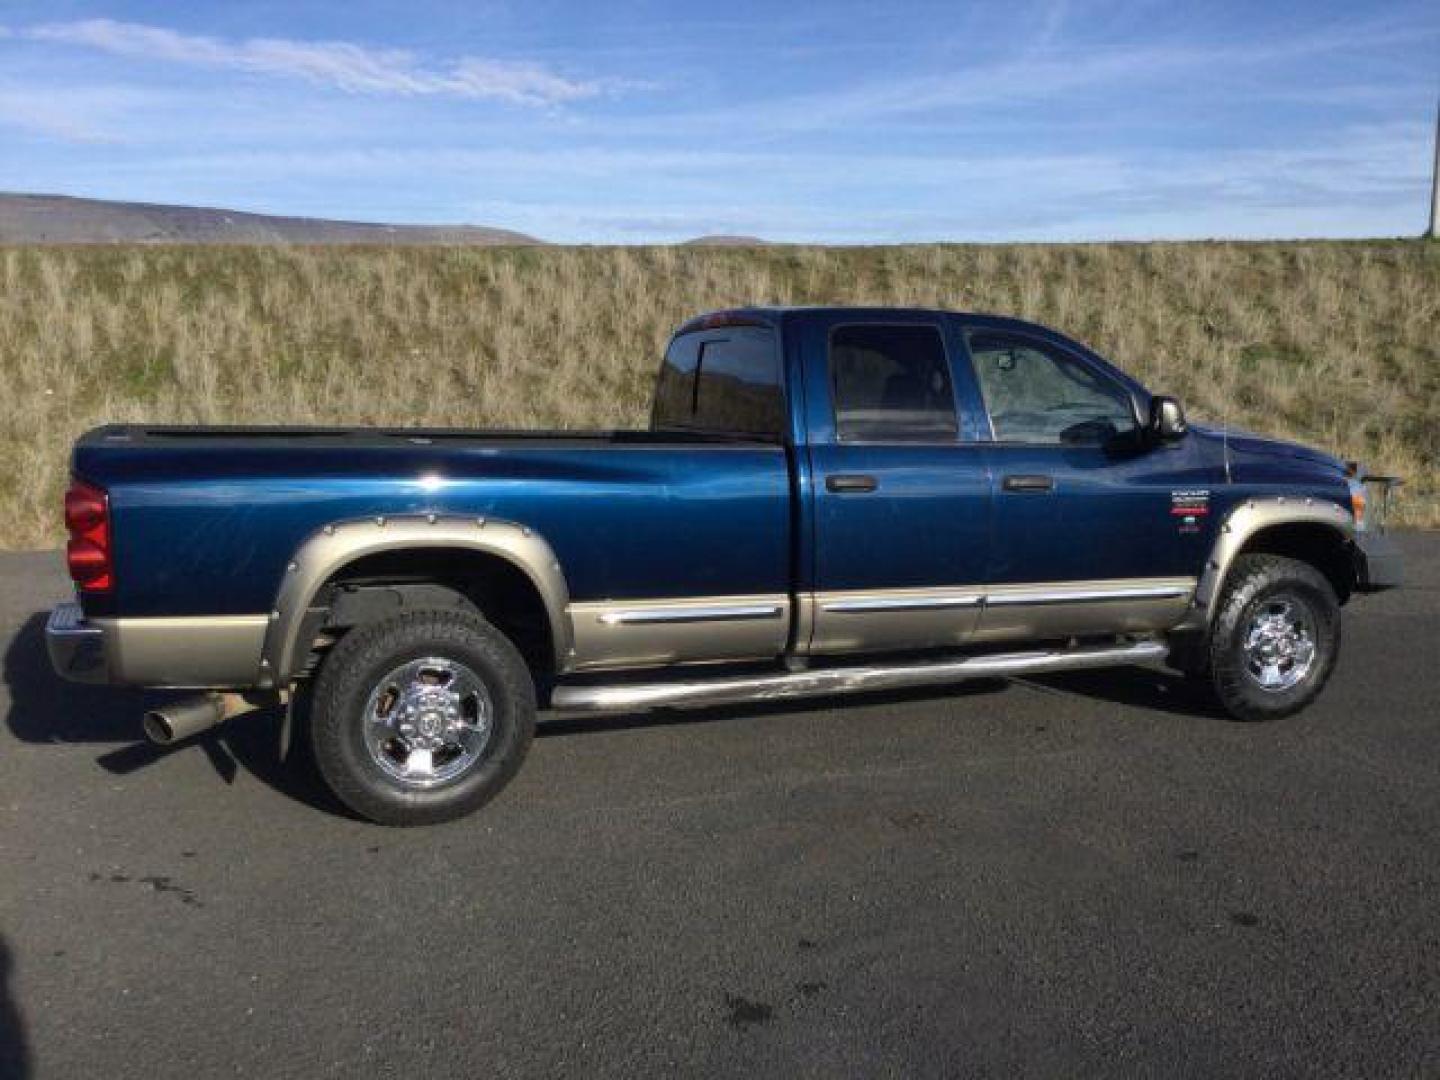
(46, 709)
(1143, 688)
(553, 724)
(14, 1045)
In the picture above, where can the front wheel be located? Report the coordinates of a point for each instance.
(1275, 638)
(421, 718)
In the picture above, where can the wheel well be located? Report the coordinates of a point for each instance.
(376, 586)
(1322, 547)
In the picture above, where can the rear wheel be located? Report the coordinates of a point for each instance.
(1275, 637)
(421, 718)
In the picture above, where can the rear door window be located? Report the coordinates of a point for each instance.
(726, 382)
(891, 383)
(675, 388)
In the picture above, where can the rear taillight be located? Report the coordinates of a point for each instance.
(88, 554)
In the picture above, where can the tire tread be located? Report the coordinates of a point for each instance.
(1250, 575)
(364, 648)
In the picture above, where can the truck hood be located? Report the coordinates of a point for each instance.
(1249, 444)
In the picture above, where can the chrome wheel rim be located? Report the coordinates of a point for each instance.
(1279, 643)
(428, 721)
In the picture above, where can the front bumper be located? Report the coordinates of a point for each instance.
(77, 648)
(1378, 562)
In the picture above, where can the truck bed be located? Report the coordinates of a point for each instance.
(206, 518)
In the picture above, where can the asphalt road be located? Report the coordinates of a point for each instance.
(1088, 875)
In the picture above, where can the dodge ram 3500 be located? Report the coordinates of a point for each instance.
(827, 500)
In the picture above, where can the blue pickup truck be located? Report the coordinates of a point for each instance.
(827, 500)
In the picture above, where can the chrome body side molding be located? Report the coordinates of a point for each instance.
(334, 547)
(1244, 522)
(1064, 609)
(874, 620)
(1026, 596)
(717, 613)
(843, 680)
(881, 619)
(879, 604)
(654, 633)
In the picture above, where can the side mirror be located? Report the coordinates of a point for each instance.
(1167, 419)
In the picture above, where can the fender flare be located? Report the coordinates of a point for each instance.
(337, 545)
(1242, 523)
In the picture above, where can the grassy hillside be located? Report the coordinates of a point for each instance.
(1334, 343)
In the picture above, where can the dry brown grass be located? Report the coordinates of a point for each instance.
(1337, 344)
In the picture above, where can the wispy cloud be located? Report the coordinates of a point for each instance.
(340, 64)
(1095, 119)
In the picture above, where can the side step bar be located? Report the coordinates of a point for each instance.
(725, 690)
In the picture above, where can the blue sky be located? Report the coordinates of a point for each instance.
(648, 121)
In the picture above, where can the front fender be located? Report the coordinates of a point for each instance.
(1245, 522)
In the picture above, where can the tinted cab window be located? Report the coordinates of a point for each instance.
(891, 383)
(1037, 393)
(725, 382)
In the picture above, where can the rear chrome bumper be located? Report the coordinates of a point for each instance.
(188, 652)
(77, 648)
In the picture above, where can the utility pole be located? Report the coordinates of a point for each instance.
(1434, 232)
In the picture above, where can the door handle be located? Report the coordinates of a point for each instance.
(1029, 483)
(843, 482)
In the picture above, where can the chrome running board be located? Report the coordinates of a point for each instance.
(725, 690)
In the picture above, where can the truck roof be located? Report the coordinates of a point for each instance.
(772, 314)
(769, 313)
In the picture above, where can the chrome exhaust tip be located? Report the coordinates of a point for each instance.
(170, 724)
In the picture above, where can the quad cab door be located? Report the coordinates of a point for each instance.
(896, 550)
(1086, 537)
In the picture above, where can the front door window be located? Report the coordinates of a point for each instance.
(1040, 395)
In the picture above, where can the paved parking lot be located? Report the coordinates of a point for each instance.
(1088, 875)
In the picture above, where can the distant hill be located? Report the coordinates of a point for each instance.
(721, 240)
(61, 219)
